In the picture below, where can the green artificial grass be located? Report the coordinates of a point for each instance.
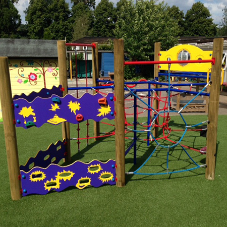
(182, 199)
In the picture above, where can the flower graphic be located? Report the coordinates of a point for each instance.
(32, 76)
(50, 70)
(19, 81)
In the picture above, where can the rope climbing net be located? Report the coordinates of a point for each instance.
(165, 114)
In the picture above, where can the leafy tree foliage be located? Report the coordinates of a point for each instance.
(48, 19)
(83, 20)
(178, 15)
(60, 27)
(223, 26)
(23, 31)
(10, 19)
(143, 24)
(89, 3)
(121, 3)
(198, 21)
(104, 19)
(38, 18)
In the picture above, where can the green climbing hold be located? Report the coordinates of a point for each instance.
(30, 124)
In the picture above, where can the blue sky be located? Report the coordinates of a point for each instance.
(215, 6)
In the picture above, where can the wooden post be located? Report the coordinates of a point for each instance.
(207, 100)
(9, 129)
(62, 64)
(120, 111)
(157, 49)
(213, 109)
(95, 76)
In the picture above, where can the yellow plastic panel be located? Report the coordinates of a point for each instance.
(180, 53)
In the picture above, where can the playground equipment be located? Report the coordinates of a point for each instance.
(190, 72)
(59, 178)
(214, 94)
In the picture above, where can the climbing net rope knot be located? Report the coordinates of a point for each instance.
(165, 113)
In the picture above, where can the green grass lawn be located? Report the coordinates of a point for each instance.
(182, 199)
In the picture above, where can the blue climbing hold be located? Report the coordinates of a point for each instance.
(56, 99)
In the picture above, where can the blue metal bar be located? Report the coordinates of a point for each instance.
(84, 88)
(129, 148)
(140, 90)
(193, 73)
(161, 83)
(148, 113)
(135, 127)
(175, 90)
(182, 75)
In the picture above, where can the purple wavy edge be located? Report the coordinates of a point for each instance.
(45, 158)
(43, 93)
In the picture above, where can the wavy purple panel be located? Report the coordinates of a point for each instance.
(54, 154)
(43, 93)
(55, 110)
(81, 175)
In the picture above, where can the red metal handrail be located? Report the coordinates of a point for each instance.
(169, 62)
(93, 45)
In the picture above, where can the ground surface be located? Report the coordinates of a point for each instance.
(181, 199)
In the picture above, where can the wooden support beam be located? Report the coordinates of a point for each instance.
(95, 75)
(213, 109)
(157, 49)
(120, 111)
(9, 129)
(62, 64)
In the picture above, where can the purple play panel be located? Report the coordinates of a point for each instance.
(55, 110)
(81, 175)
(43, 93)
(54, 154)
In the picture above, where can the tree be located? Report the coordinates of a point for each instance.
(143, 24)
(89, 3)
(198, 21)
(48, 19)
(82, 21)
(38, 18)
(60, 27)
(223, 26)
(10, 19)
(178, 15)
(120, 4)
(23, 31)
(104, 19)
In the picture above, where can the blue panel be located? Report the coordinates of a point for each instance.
(107, 63)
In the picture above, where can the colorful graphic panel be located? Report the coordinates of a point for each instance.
(186, 52)
(55, 110)
(43, 93)
(54, 154)
(81, 175)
